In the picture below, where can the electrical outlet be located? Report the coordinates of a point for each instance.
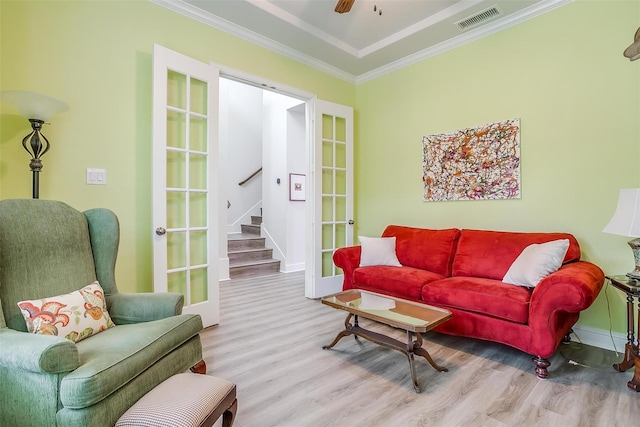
(96, 176)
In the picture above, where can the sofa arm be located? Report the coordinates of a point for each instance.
(22, 351)
(143, 307)
(571, 289)
(348, 259)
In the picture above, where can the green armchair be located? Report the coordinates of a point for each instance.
(48, 248)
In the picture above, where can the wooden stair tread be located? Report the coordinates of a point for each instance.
(248, 255)
(242, 236)
(248, 250)
(253, 262)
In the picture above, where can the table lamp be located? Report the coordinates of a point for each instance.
(37, 109)
(626, 222)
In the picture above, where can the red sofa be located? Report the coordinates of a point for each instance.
(462, 271)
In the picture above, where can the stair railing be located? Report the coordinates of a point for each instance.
(250, 176)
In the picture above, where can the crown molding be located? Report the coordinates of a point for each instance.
(461, 40)
(418, 26)
(252, 37)
(305, 26)
(465, 38)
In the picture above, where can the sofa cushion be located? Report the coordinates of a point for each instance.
(425, 249)
(404, 282)
(486, 296)
(114, 357)
(489, 254)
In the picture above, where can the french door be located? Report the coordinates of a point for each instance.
(186, 185)
(331, 219)
(185, 181)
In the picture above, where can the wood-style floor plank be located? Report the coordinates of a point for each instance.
(269, 343)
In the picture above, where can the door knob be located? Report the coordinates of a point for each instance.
(160, 231)
(350, 222)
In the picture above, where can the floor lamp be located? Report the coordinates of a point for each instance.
(37, 109)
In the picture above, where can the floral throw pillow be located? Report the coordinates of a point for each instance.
(74, 316)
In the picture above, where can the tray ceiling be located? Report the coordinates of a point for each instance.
(363, 43)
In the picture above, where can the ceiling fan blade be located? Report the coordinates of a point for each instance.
(344, 6)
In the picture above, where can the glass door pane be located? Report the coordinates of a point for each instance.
(334, 191)
(187, 189)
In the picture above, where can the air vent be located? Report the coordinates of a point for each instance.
(478, 18)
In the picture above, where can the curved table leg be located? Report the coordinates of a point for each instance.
(347, 331)
(409, 349)
(412, 369)
(417, 349)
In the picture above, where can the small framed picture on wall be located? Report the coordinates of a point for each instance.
(297, 187)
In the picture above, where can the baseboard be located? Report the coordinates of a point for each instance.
(223, 268)
(599, 338)
(291, 268)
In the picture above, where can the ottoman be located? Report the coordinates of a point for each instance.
(184, 400)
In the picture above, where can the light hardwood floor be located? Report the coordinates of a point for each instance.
(269, 343)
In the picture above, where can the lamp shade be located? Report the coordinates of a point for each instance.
(626, 219)
(31, 105)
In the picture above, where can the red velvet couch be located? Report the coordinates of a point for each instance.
(462, 271)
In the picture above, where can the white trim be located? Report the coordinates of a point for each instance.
(461, 40)
(599, 338)
(291, 268)
(287, 17)
(262, 83)
(223, 269)
(271, 244)
(418, 26)
(244, 34)
(245, 218)
(277, 47)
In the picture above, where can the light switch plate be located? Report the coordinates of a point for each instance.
(96, 176)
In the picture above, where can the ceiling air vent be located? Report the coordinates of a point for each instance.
(478, 18)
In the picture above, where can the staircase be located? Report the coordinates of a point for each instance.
(248, 256)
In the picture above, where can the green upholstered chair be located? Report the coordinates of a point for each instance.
(48, 248)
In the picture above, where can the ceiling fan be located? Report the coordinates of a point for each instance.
(344, 6)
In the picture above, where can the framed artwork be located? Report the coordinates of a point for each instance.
(297, 187)
(478, 163)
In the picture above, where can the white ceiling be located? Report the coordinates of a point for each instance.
(361, 44)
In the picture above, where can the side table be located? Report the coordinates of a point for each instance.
(631, 287)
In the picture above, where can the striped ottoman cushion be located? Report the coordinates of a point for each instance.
(183, 400)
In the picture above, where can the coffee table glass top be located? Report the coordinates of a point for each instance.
(409, 315)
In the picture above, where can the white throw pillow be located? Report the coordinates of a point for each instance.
(378, 251)
(536, 262)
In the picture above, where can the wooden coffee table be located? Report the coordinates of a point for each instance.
(413, 317)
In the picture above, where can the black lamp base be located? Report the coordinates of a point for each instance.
(37, 149)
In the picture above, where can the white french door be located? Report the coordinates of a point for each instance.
(185, 181)
(331, 217)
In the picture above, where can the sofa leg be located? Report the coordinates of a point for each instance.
(567, 338)
(541, 367)
(199, 368)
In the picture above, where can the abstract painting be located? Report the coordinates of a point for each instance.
(473, 164)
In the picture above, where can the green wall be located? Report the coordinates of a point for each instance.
(562, 74)
(578, 100)
(97, 56)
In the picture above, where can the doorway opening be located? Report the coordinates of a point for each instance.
(263, 139)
